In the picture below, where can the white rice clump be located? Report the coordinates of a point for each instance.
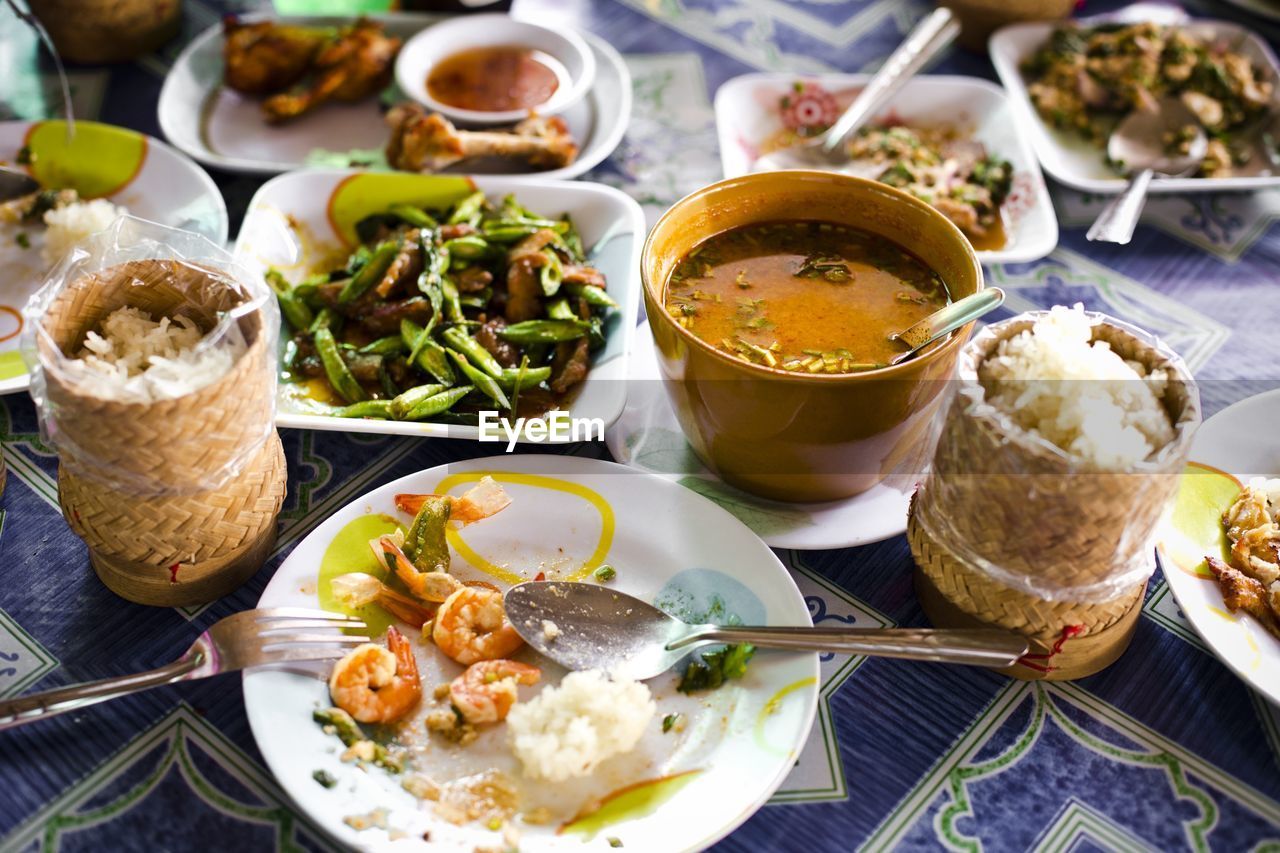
(1082, 397)
(568, 730)
(66, 226)
(140, 360)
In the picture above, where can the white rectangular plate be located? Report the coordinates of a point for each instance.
(289, 226)
(748, 114)
(1077, 162)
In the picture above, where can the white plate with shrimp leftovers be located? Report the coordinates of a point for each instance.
(87, 180)
(263, 94)
(949, 140)
(471, 741)
(1220, 549)
(1070, 83)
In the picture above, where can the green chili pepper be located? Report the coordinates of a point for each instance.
(456, 338)
(336, 369)
(552, 273)
(511, 380)
(483, 381)
(296, 312)
(545, 331)
(424, 543)
(404, 403)
(467, 248)
(413, 215)
(438, 405)
(370, 274)
(431, 357)
(390, 345)
(594, 295)
(468, 210)
(367, 409)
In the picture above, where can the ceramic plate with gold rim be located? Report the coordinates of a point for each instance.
(681, 790)
(1234, 446)
(131, 169)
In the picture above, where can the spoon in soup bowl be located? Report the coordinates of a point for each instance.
(941, 323)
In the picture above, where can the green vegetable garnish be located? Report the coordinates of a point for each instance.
(605, 573)
(669, 721)
(23, 240)
(325, 779)
(615, 842)
(350, 733)
(716, 668)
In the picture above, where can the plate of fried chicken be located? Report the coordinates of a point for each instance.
(266, 95)
(1220, 549)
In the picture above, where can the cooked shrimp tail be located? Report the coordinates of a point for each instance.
(433, 587)
(358, 589)
(485, 692)
(375, 684)
(485, 499)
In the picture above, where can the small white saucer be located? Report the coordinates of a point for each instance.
(648, 437)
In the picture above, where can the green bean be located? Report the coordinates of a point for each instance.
(327, 318)
(336, 369)
(507, 233)
(390, 345)
(552, 273)
(438, 405)
(596, 333)
(452, 301)
(371, 273)
(483, 381)
(467, 248)
(431, 358)
(413, 215)
(457, 339)
(290, 354)
(558, 309)
(384, 379)
(423, 339)
(544, 331)
(533, 376)
(468, 210)
(479, 299)
(295, 311)
(404, 403)
(594, 295)
(435, 262)
(367, 409)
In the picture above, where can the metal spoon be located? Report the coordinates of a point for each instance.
(1138, 142)
(15, 184)
(939, 324)
(589, 626)
(932, 34)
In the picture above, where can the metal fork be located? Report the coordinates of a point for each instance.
(251, 638)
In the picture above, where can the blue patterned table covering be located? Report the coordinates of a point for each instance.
(1165, 749)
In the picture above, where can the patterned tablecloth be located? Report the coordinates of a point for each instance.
(1166, 749)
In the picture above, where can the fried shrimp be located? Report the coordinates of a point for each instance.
(487, 690)
(482, 500)
(375, 684)
(472, 626)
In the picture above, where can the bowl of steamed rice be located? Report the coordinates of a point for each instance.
(1058, 457)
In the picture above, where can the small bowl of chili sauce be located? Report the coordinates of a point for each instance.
(493, 69)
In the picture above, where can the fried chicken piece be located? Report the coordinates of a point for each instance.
(422, 142)
(266, 56)
(356, 65)
(1241, 592)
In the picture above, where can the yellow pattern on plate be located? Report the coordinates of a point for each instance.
(98, 160)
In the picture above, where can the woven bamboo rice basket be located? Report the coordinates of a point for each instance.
(177, 499)
(1007, 531)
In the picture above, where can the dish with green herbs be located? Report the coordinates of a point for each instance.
(439, 315)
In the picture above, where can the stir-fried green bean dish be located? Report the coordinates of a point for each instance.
(442, 314)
